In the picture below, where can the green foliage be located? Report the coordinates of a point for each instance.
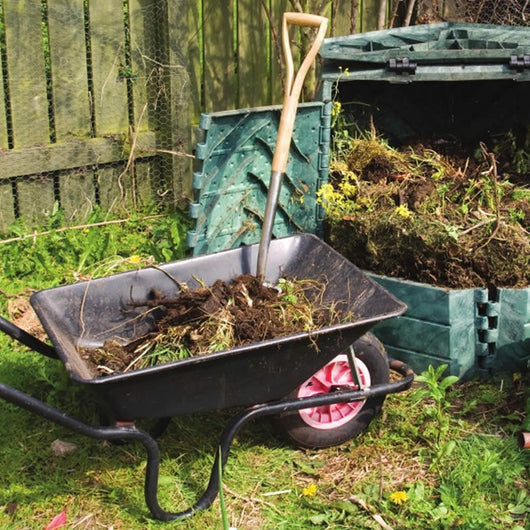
(435, 390)
(442, 456)
(55, 255)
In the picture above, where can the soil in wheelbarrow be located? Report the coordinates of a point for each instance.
(438, 212)
(216, 318)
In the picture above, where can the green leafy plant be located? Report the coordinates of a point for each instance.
(435, 390)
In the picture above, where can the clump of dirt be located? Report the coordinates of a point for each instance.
(435, 213)
(216, 318)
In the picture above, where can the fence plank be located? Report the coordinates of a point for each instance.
(253, 55)
(219, 65)
(115, 189)
(68, 67)
(278, 8)
(7, 205)
(4, 137)
(146, 21)
(145, 62)
(77, 193)
(189, 42)
(108, 61)
(36, 197)
(27, 79)
(370, 15)
(342, 17)
(70, 155)
(181, 48)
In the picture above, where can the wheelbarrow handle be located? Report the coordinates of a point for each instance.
(25, 338)
(128, 432)
(293, 84)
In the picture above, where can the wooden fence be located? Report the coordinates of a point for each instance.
(99, 97)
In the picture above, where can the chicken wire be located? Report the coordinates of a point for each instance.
(500, 12)
(507, 12)
(92, 109)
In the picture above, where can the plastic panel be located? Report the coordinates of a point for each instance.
(231, 186)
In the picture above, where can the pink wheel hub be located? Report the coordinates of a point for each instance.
(334, 375)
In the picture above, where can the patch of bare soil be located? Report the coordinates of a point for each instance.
(223, 316)
(22, 315)
(439, 213)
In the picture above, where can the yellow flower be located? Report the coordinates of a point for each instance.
(348, 189)
(399, 497)
(403, 211)
(310, 490)
(135, 258)
(336, 108)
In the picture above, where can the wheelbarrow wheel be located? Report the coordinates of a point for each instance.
(331, 425)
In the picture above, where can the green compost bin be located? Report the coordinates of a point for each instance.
(435, 80)
(442, 81)
(439, 79)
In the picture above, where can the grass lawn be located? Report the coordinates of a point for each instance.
(441, 455)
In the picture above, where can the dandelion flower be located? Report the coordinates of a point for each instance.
(135, 258)
(399, 497)
(310, 490)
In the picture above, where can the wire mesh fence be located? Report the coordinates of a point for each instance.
(87, 105)
(507, 12)
(500, 12)
(99, 98)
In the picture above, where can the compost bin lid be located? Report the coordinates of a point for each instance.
(438, 52)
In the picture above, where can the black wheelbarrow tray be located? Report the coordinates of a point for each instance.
(257, 377)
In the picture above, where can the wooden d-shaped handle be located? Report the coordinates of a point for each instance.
(293, 85)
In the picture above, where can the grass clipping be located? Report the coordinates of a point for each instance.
(217, 318)
(434, 214)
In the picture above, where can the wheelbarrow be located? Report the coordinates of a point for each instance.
(323, 386)
(277, 377)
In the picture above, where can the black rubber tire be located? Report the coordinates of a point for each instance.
(291, 425)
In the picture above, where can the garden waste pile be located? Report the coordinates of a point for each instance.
(434, 212)
(217, 318)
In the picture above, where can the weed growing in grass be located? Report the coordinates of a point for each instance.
(55, 254)
(435, 389)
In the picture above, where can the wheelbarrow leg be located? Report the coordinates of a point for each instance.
(130, 432)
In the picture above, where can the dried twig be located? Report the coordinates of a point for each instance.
(394, 13)
(493, 172)
(76, 227)
(371, 510)
(166, 152)
(133, 138)
(251, 499)
(478, 225)
(354, 16)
